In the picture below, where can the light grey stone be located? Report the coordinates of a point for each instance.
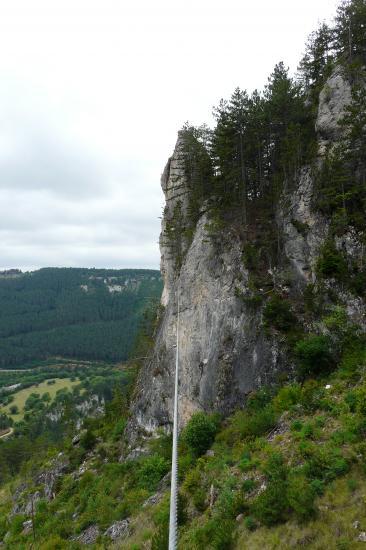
(334, 97)
(118, 530)
(27, 527)
(89, 535)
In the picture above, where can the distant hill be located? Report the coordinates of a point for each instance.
(72, 312)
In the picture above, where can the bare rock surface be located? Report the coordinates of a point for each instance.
(119, 530)
(223, 354)
(334, 97)
(89, 535)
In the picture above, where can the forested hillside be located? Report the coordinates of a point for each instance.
(80, 313)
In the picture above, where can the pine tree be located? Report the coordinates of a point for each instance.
(350, 31)
(317, 62)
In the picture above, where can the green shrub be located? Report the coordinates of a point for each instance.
(275, 468)
(160, 539)
(318, 486)
(151, 470)
(88, 440)
(246, 463)
(288, 397)
(301, 497)
(325, 463)
(118, 429)
(230, 502)
(200, 432)
(250, 523)
(331, 262)
(249, 485)
(296, 426)
(257, 424)
(199, 499)
(259, 399)
(358, 283)
(214, 534)
(307, 431)
(270, 507)
(312, 393)
(55, 543)
(3, 527)
(16, 526)
(250, 256)
(277, 313)
(313, 355)
(352, 485)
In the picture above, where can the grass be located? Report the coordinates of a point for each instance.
(340, 507)
(22, 395)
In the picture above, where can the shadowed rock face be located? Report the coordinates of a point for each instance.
(224, 351)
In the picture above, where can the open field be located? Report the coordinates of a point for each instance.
(21, 396)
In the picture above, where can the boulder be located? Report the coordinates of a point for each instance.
(118, 530)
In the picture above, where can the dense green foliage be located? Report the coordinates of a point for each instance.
(200, 432)
(82, 313)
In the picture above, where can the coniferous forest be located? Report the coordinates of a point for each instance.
(76, 313)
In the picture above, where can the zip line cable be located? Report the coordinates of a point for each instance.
(173, 532)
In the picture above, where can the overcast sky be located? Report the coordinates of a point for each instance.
(92, 93)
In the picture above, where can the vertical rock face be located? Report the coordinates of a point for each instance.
(223, 354)
(303, 229)
(333, 99)
(224, 351)
(175, 187)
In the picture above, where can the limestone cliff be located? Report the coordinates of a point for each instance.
(225, 352)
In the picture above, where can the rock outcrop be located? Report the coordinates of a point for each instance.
(333, 99)
(224, 352)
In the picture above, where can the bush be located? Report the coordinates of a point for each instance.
(214, 534)
(331, 262)
(152, 469)
(301, 497)
(118, 429)
(277, 313)
(325, 463)
(250, 523)
(230, 502)
(275, 468)
(270, 507)
(160, 539)
(200, 432)
(88, 440)
(287, 398)
(249, 485)
(247, 424)
(259, 423)
(313, 355)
